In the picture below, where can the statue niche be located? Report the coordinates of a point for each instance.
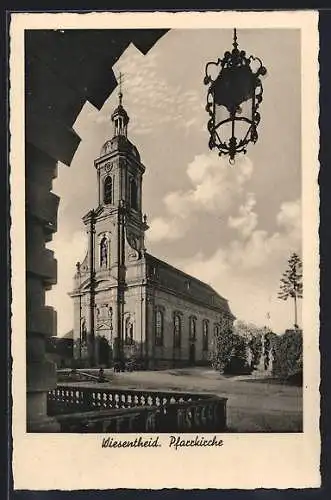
(104, 252)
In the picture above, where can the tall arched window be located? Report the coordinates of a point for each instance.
(128, 331)
(216, 330)
(108, 190)
(177, 330)
(133, 194)
(205, 334)
(158, 327)
(104, 252)
(193, 328)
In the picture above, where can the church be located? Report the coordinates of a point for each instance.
(143, 306)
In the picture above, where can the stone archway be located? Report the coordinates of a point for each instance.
(63, 70)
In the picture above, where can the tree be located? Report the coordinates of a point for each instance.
(229, 353)
(104, 350)
(291, 283)
(288, 353)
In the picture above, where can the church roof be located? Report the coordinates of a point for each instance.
(166, 275)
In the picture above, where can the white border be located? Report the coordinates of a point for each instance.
(46, 461)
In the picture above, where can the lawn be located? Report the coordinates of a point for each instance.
(253, 405)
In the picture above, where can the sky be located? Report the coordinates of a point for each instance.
(233, 227)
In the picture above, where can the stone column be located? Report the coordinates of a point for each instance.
(41, 274)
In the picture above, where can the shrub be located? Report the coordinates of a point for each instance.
(229, 354)
(288, 355)
(255, 345)
(104, 351)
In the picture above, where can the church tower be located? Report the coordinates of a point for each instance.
(115, 229)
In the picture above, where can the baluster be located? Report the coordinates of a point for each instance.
(180, 418)
(210, 414)
(150, 401)
(119, 421)
(106, 400)
(189, 418)
(197, 416)
(150, 422)
(133, 420)
(111, 400)
(203, 416)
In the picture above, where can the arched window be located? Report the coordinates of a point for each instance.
(128, 331)
(104, 252)
(108, 190)
(158, 328)
(177, 330)
(205, 334)
(133, 194)
(193, 328)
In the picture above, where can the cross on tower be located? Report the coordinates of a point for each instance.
(120, 95)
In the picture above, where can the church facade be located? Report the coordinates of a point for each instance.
(143, 306)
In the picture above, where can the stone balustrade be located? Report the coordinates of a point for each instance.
(85, 409)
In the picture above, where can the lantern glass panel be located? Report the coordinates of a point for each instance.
(221, 114)
(246, 110)
(242, 126)
(224, 131)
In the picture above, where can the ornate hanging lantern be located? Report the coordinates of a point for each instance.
(233, 99)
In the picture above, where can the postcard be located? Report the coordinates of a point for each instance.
(165, 254)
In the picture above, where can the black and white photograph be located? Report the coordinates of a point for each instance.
(167, 229)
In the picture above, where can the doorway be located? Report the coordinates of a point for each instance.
(192, 354)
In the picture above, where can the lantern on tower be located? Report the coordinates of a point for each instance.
(233, 98)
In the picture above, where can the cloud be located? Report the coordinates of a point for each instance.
(161, 229)
(246, 222)
(150, 96)
(289, 217)
(247, 270)
(259, 249)
(215, 189)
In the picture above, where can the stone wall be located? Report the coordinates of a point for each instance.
(169, 304)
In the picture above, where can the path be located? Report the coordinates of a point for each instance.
(253, 405)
